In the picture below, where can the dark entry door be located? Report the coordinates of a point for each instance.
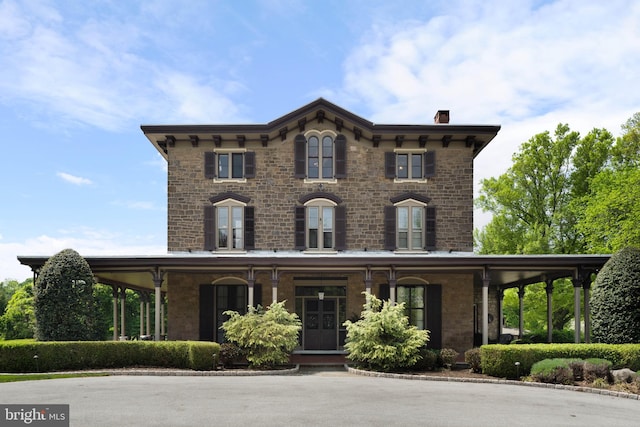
(320, 324)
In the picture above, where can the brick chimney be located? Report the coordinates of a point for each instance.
(442, 116)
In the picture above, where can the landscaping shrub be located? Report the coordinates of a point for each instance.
(447, 357)
(554, 371)
(615, 312)
(540, 337)
(472, 357)
(19, 356)
(267, 337)
(597, 368)
(383, 339)
(230, 353)
(428, 360)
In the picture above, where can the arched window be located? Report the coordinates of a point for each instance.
(229, 223)
(320, 223)
(410, 224)
(320, 156)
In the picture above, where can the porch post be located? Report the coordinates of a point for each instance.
(500, 311)
(158, 277)
(147, 300)
(521, 311)
(587, 310)
(367, 281)
(162, 328)
(250, 285)
(549, 289)
(576, 307)
(274, 284)
(486, 281)
(114, 290)
(123, 301)
(392, 286)
(141, 313)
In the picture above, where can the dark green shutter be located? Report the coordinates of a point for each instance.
(390, 228)
(300, 228)
(300, 155)
(209, 228)
(434, 315)
(385, 292)
(206, 315)
(390, 164)
(250, 164)
(249, 228)
(430, 225)
(429, 164)
(341, 228)
(209, 165)
(341, 156)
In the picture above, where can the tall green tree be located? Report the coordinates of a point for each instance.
(7, 288)
(65, 308)
(18, 320)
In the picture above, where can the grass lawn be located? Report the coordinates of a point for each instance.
(8, 378)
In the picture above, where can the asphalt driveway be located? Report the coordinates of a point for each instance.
(316, 398)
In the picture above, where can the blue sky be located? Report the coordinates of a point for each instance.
(78, 78)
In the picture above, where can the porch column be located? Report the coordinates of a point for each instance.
(123, 310)
(141, 313)
(587, 310)
(274, 285)
(158, 277)
(486, 281)
(521, 311)
(392, 286)
(250, 285)
(114, 290)
(549, 290)
(162, 310)
(577, 284)
(500, 311)
(367, 281)
(147, 300)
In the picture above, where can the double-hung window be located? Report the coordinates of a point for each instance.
(320, 156)
(413, 298)
(230, 227)
(229, 223)
(409, 165)
(410, 223)
(410, 220)
(320, 224)
(229, 165)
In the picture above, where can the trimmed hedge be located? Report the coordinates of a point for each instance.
(500, 360)
(19, 356)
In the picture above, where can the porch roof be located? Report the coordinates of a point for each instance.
(136, 271)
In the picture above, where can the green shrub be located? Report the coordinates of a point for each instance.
(554, 371)
(17, 356)
(597, 368)
(499, 360)
(540, 337)
(615, 312)
(472, 357)
(447, 357)
(428, 360)
(383, 339)
(230, 353)
(267, 337)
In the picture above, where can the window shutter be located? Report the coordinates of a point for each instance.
(429, 164)
(300, 228)
(209, 164)
(249, 228)
(341, 228)
(430, 226)
(390, 228)
(209, 228)
(390, 164)
(385, 292)
(434, 315)
(207, 316)
(300, 154)
(257, 294)
(250, 164)
(341, 156)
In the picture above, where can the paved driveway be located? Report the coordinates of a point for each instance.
(316, 399)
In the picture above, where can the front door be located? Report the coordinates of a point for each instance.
(320, 324)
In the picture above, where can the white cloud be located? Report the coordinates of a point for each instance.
(524, 65)
(76, 180)
(87, 241)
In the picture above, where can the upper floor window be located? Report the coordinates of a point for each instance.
(410, 225)
(229, 223)
(320, 224)
(413, 165)
(320, 155)
(229, 165)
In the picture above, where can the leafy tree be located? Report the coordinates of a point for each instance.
(7, 288)
(615, 312)
(65, 309)
(383, 339)
(267, 337)
(18, 320)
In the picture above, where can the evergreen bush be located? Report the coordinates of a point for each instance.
(615, 312)
(554, 371)
(383, 339)
(472, 357)
(267, 337)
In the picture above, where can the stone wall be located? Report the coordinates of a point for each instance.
(274, 192)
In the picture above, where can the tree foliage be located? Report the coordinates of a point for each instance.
(267, 337)
(383, 339)
(18, 319)
(65, 309)
(615, 308)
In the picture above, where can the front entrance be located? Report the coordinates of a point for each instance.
(322, 310)
(320, 331)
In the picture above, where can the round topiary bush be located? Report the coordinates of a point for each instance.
(615, 301)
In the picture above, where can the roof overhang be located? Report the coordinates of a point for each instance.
(504, 271)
